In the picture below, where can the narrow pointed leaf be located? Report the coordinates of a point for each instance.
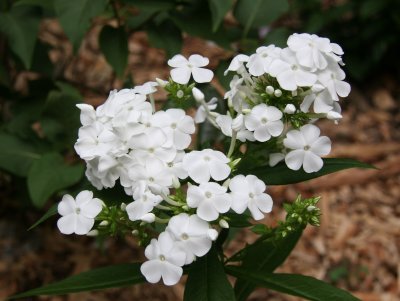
(293, 284)
(257, 13)
(282, 175)
(52, 211)
(207, 280)
(218, 11)
(264, 256)
(114, 45)
(75, 17)
(101, 278)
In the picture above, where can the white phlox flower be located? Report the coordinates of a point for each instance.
(154, 173)
(165, 260)
(177, 126)
(249, 192)
(289, 73)
(227, 124)
(175, 166)
(237, 63)
(95, 140)
(77, 215)
(310, 50)
(184, 68)
(144, 202)
(147, 88)
(332, 79)
(210, 199)
(191, 234)
(307, 148)
(265, 121)
(206, 164)
(88, 114)
(201, 113)
(237, 94)
(260, 61)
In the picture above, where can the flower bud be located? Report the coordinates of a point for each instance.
(246, 111)
(269, 90)
(175, 182)
(180, 94)
(223, 224)
(226, 183)
(135, 232)
(148, 218)
(123, 206)
(290, 109)
(197, 94)
(104, 223)
(332, 115)
(311, 208)
(294, 93)
(93, 233)
(278, 93)
(162, 83)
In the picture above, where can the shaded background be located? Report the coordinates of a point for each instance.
(357, 245)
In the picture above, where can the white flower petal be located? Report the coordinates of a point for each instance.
(67, 224)
(312, 162)
(198, 60)
(83, 224)
(321, 146)
(202, 75)
(151, 271)
(177, 61)
(67, 205)
(294, 159)
(181, 75)
(219, 171)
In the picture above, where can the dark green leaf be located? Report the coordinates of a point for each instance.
(50, 174)
(282, 175)
(46, 4)
(293, 284)
(52, 211)
(218, 11)
(101, 278)
(166, 36)
(21, 30)
(264, 256)
(207, 280)
(75, 16)
(114, 45)
(256, 13)
(17, 155)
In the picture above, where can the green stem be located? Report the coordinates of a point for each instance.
(153, 104)
(233, 143)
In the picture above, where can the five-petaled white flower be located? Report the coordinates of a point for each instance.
(248, 192)
(192, 235)
(265, 121)
(77, 215)
(201, 165)
(210, 199)
(184, 68)
(165, 260)
(308, 147)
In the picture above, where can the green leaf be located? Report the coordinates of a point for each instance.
(114, 45)
(166, 36)
(52, 211)
(75, 16)
(207, 280)
(21, 28)
(101, 278)
(282, 175)
(218, 11)
(264, 256)
(258, 13)
(293, 284)
(45, 4)
(50, 174)
(17, 155)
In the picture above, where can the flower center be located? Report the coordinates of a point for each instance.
(170, 164)
(184, 236)
(77, 210)
(147, 124)
(264, 55)
(173, 125)
(208, 194)
(180, 94)
(251, 195)
(151, 150)
(162, 257)
(307, 147)
(295, 67)
(206, 158)
(264, 120)
(151, 179)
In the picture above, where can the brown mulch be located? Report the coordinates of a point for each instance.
(355, 248)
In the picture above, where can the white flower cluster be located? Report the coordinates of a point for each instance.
(193, 191)
(274, 89)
